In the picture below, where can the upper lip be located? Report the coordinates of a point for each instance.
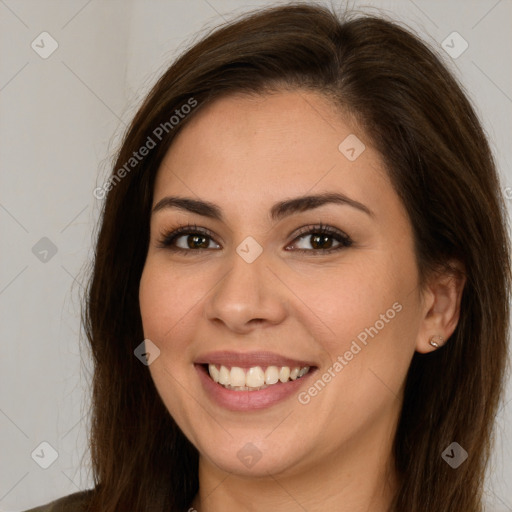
(250, 359)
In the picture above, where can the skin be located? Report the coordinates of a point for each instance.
(245, 153)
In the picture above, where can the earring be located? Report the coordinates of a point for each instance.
(435, 343)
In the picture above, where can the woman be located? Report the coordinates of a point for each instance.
(305, 226)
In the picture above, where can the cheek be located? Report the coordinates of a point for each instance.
(167, 309)
(369, 315)
(352, 295)
(154, 304)
(167, 299)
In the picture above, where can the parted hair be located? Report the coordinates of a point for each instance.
(438, 159)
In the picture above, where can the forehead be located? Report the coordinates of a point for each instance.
(280, 127)
(253, 150)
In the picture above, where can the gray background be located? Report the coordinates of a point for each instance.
(61, 121)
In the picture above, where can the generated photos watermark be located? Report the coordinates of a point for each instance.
(304, 397)
(151, 142)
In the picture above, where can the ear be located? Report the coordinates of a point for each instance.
(441, 307)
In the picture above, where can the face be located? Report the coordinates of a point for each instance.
(263, 284)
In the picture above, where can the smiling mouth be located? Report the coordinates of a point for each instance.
(254, 378)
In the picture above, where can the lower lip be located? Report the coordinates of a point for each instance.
(249, 400)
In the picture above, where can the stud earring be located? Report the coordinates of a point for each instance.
(437, 343)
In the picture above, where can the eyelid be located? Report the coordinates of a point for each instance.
(169, 236)
(344, 240)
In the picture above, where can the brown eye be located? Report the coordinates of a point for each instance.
(321, 239)
(188, 239)
(194, 241)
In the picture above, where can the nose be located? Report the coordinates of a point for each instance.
(249, 296)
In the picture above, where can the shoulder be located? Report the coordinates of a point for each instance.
(76, 502)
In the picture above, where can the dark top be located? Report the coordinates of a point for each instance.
(73, 503)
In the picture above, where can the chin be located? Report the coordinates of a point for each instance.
(252, 459)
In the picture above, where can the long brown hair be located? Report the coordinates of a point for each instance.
(440, 164)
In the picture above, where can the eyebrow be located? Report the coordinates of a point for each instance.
(277, 212)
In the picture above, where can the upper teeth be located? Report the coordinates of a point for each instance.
(241, 379)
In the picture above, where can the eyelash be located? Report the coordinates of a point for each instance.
(167, 239)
